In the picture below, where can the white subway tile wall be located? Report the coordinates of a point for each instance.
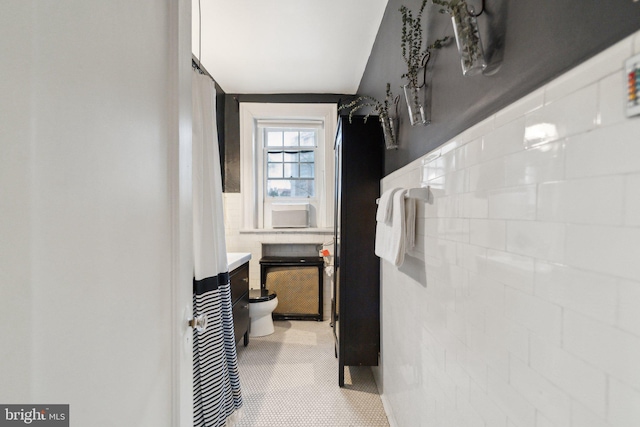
(527, 312)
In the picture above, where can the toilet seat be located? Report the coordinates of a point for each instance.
(260, 295)
(261, 306)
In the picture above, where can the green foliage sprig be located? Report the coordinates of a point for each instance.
(381, 108)
(411, 42)
(466, 29)
(449, 5)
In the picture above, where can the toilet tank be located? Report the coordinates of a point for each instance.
(290, 215)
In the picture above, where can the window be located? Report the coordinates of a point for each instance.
(290, 163)
(286, 155)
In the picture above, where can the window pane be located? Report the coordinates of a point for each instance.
(274, 138)
(275, 170)
(291, 170)
(307, 156)
(308, 139)
(303, 188)
(291, 139)
(274, 156)
(278, 188)
(290, 162)
(306, 170)
(291, 156)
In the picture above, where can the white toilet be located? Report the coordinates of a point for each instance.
(261, 305)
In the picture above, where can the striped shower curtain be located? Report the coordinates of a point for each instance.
(216, 385)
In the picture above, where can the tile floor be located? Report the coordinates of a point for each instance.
(290, 379)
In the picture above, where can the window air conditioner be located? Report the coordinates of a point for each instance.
(290, 215)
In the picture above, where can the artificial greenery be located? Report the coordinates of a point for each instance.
(416, 58)
(382, 108)
(449, 5)
(412, 43)
(467, 34)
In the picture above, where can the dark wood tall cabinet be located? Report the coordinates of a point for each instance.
(355, 307)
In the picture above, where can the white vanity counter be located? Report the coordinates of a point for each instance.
(236, 259)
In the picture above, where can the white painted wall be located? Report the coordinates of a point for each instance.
(240, 216)
(95, 205)
(520, 305)
(242, 240)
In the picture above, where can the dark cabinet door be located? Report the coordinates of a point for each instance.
(356, 306)
(240, 302)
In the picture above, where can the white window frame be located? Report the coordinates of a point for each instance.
(316, 128)
(252, 183)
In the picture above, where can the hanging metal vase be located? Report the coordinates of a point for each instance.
(465, 27)
(415, 104)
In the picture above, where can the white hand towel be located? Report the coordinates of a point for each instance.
(390, 238)
(410, 224)
(385, 206)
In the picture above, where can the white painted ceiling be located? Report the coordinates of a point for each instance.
(286, 46)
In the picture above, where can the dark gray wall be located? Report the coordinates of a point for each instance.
(528, 43)
(220, 110)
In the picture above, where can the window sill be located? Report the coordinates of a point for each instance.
(321, 231)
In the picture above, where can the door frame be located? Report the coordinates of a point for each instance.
(180, 165)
